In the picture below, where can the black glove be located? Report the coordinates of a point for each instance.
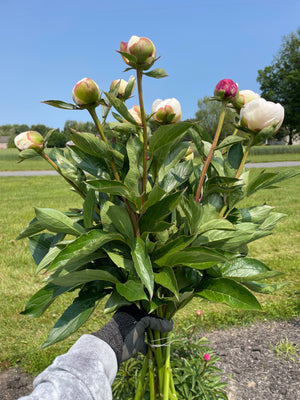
(125, 332)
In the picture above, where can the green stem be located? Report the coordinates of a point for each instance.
(99, 127)
(56, 167)
(93, 114)
(239, 171)
(210, 154)
(172, 388)
(167, 372)
(145, 139)
(141, 385)
(151, 375)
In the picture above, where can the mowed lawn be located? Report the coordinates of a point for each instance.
(21, 337)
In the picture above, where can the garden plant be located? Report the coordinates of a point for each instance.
(160, 222)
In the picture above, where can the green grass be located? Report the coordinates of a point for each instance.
(21, 336)
(273, 157)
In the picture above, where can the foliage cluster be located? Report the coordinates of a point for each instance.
(280, 82)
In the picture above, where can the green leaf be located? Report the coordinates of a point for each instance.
(73, 317)
(265, 288)
(158, 211)
(154, 196)
(93, 165)
(31, 229)
(165, 134)
(87, 275)
(42, 299)
(157, 73)
(256, 214)
(40, 244)
(229, 141)
(176, 176)
(48, 258)
(25, 154)
(172, 246)
(115, 301)
(246, 269)
(166, 278)
(230, 292)
(81, 250)
(194, 257)
(88, 208)
(120, 106)
(120, 219)
(142, 265)
(131, 290)
(89, 143)
(56, 221)
(235, 155)
(111, 187)
(61, 104)
(133, 177)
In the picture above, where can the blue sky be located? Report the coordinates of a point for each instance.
(47, 46)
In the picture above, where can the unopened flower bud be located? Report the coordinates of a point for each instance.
(189, 155)
(86, 92)
(135, 112)
(260, 113)
(226, 90)
(29, 140)
(198, 312)
(143, 51)
(206, 357)
(166, 111)
(125, 89)
(244, 97)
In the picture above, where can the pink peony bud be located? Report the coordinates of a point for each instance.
(260, 113)
(166, 111)
(135, 112)
(29, 140)
(206, 357)
(86, 92)
(227, 90)
(142, 50)
(199, 312)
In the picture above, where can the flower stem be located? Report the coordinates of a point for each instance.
(56, 167)
(167, 372)
(145, 139)
(93, 114)
(99, 127)
(210, 154)
(141, 385)
(239, 171)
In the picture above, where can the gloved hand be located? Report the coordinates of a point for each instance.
(125, 332)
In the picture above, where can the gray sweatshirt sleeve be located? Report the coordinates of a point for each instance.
(85, 372)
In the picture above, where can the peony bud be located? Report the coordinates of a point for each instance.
(86, 92)
(189, 155)
(135, 112)
(122, 86)
(206, 357)
(260, 113)
(227, 90)
(198, 312)
(141, 49)
(29, 140)
(166, 111)
(245, 96)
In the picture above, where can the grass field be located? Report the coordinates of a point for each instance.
(9, 160)
(21, 336)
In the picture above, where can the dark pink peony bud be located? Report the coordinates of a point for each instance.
(226, 90)
(206, 357)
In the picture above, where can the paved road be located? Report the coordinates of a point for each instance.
(250, 165)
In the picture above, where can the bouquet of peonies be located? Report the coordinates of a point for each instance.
(160, 222)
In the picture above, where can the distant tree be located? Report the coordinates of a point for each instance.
(280, 83)
(80, 126)
(208, 117)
